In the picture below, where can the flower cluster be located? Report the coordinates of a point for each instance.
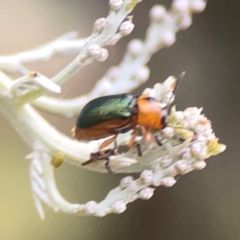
(185, 143)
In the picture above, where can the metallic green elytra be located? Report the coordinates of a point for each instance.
(112, 107)
(106, 116)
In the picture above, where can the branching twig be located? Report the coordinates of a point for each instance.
(132, 71)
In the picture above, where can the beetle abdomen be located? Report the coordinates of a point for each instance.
(103, 130)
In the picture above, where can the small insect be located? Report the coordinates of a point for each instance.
(110, 115)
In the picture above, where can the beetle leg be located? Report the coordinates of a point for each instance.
(177, 177)
(93, 157)
(139, 149)
(73, 131)
(107, 165)
(107, 142)
(115, 145)
(143, 129)
(131, 142)
(88, 162)
(158, 141)
(132, 139)
(147, 134)
(102, 155)
(105, 155)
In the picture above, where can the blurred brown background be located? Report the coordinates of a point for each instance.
(202, 205)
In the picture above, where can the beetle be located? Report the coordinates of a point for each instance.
(111, 115)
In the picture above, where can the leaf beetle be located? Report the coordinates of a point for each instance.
(111, 115)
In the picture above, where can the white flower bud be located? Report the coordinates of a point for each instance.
(168, 181)
(147, 91)
(157, 13)
(192, 113)
(192, 124)
(157, 182)
(180, 5)
(115, 4)
(168, 132)
(181, 166)
(99, 25)
(157, 86)
(208, 133)
(211, 137)
(186, 154)
(169, 38)
(207, 126)
(178, 116)
(105, 85)
(146, 176)
(187, 113)
(198, 5)
(103, 55)
(158, 91)
(119, 207)
(146, 193)
(203, 120)
(114, 72)
(94, 50)
(199, 165)
(135, 47)
(202, 139)
(202, 155)
(196, 148)
(133, 187)
(142, 74)
(186, 21)
(172, 171)
(90, 207)
(222, 148)
(198, 128)
(169, 84)
(126, 28)
(165, 162)
(125, 182)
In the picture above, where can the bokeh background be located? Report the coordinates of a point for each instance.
(202, 205)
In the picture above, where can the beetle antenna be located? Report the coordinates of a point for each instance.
(179, 79)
